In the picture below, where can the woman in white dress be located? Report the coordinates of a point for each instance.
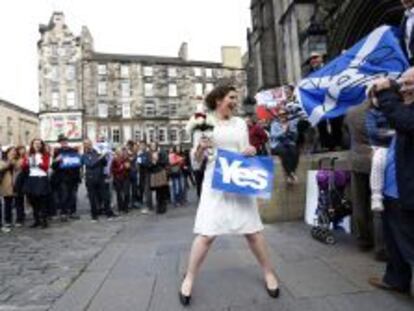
(225, 213)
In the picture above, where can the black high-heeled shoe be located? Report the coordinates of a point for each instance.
(184, 300)
(274, 293)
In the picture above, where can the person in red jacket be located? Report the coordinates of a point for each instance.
(257, 136)
(36, 186)
(120, 169)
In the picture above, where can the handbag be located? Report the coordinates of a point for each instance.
(158, 179)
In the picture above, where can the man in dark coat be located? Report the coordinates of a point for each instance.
(66, 170)
(398, 106)
(95, 179)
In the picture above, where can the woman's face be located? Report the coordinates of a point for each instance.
(228, 104)
(12, 154)
(153, 146)
(37, 145)
(21, 152)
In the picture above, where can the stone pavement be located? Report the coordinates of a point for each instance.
(141, 268)
(136, 263)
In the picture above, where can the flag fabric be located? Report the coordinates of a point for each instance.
(248, 176)
(341, 84)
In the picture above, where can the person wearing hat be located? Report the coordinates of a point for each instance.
(66, 169)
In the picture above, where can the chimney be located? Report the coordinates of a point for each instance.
(231, 57)
(183, 52)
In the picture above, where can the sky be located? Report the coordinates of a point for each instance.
(154, 27)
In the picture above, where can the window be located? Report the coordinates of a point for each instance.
(137, 134)
(197, 72)
(116, 135)
(61, 51)
(150, 135)
(126, 110)
(149, 109)
(70, 99)
(124, 71)
(209, 87)
(148, 71)
(103, 110)
(102, 70)
(162, 135)
(209, 73)
(174, 135)
(172, 90)
(172, 72)
(70, 72)
(102, 88)
(198, 89)
(125, 89)
(127, 133)
(55, 99)
(54, 73)
(103, 132)
(148, 91)
(185, 137)
(173, 110)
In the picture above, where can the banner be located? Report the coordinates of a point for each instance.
(249, 176)
(268, 102)
(54, 124)
(71, 160)
(341, 84)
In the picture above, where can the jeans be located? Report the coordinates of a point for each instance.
(177, 189)
(11, 202)
(122, 194)
(67, 192)
(289, 156)
(98, 194)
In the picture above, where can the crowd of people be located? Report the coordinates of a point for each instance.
(48, 180)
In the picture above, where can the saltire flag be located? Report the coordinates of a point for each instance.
(341, 84)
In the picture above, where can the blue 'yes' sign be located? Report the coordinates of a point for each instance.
(251, 176)
(71, 160)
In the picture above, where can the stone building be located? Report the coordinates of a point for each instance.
(285, 32)
(18, 126)
(84, 93)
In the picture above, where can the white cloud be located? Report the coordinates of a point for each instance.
(154, 27)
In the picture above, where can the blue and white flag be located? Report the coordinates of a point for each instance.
(341, 84)
(71, 160)
(251, 176)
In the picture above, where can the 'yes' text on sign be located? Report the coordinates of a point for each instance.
(251, 176)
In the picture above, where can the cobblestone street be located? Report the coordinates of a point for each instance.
(136, 262)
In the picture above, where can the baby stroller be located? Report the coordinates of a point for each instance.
(333, 207)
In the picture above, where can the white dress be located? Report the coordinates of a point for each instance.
(226, 213)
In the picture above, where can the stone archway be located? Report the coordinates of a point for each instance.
(354, 19)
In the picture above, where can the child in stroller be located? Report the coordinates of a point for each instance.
(333, 206)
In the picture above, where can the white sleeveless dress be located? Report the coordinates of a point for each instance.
(226, 213)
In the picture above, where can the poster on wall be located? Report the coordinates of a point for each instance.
(54, 124)
(268, 102)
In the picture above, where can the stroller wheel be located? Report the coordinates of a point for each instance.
(329, 239)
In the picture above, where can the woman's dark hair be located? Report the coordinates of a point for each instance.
(218, 93)
(42, 146)
(19, 148)
(6, 153)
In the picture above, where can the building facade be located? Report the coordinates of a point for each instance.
(18, 126)
(119, 97)
(293, 29)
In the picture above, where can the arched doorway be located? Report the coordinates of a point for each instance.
(357, 18)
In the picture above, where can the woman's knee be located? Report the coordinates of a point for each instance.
(207, 240)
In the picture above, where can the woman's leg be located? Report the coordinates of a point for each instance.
(199, 250)
(258, 246)
(8, 210)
